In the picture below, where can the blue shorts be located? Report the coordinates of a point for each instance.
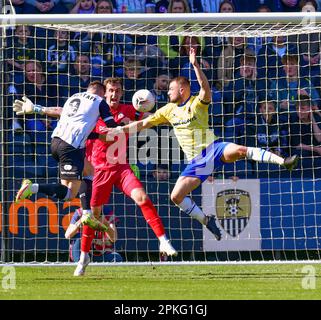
(206, 162)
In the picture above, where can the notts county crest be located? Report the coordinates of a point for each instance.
(233, 208)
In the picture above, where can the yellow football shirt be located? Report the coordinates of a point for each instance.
(190, 123)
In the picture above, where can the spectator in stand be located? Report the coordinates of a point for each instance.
(258, 42)
(135, 78)
(45, 6)
(308, 5)
(286, 90)
(43, 91)
(194, 5)
(160, 89)
(81, 77)
(268, 130)
(240, 106)
(104, 6)
(77, 81)
(20, 6)
(210, 5)
(20, 48)
(103, 243)
(254, 5)
(161, 172)
(106, 51)
(229, 61)
(161, 6)
(309, 46)
(178, 6)
(269, 63)
(146, 50)
(37, 85)
(60, 54)
(290, 5)
(170, 45)
(305, 134)
(84, 6)
(226, 6)
(135, 6)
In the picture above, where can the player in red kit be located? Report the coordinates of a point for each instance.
(111, 168)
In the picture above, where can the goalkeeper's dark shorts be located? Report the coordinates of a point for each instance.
(71, 160)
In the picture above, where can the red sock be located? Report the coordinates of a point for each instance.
(151, 216)
(87, 238)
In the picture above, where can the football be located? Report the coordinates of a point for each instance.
(143, 100)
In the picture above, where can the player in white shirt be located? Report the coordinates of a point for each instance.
(78, 118)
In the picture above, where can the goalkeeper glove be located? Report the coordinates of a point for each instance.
(25, 106)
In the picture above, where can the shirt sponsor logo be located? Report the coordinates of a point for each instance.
(182, 122)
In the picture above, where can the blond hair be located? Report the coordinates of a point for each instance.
(186, 6)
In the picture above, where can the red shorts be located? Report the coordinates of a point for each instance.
(122, 177)
(89, 149)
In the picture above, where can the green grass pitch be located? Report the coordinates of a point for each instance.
(165, 282)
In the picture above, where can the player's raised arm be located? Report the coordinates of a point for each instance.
(26, 106)
(205, 94)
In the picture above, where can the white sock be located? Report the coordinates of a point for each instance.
(163, 238)
(35, 188)
(261, 155)
(82, 256)
(190, 208)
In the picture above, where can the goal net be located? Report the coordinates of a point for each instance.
(264, 72)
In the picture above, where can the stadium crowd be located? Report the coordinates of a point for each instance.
(265, 91)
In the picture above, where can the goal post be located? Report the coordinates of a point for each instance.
(264, 69)
(199, 24)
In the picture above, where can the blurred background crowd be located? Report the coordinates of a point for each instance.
(265, 90)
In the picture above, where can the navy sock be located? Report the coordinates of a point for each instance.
(85, 193)
(58, 190)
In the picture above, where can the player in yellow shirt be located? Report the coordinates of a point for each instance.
(205, 152)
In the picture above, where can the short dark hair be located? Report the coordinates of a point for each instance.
(97, 85)
(303, 99)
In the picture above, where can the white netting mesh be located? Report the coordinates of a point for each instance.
(199, 30)
(264, 211)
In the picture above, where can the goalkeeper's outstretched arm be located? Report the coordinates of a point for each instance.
(26, 106)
